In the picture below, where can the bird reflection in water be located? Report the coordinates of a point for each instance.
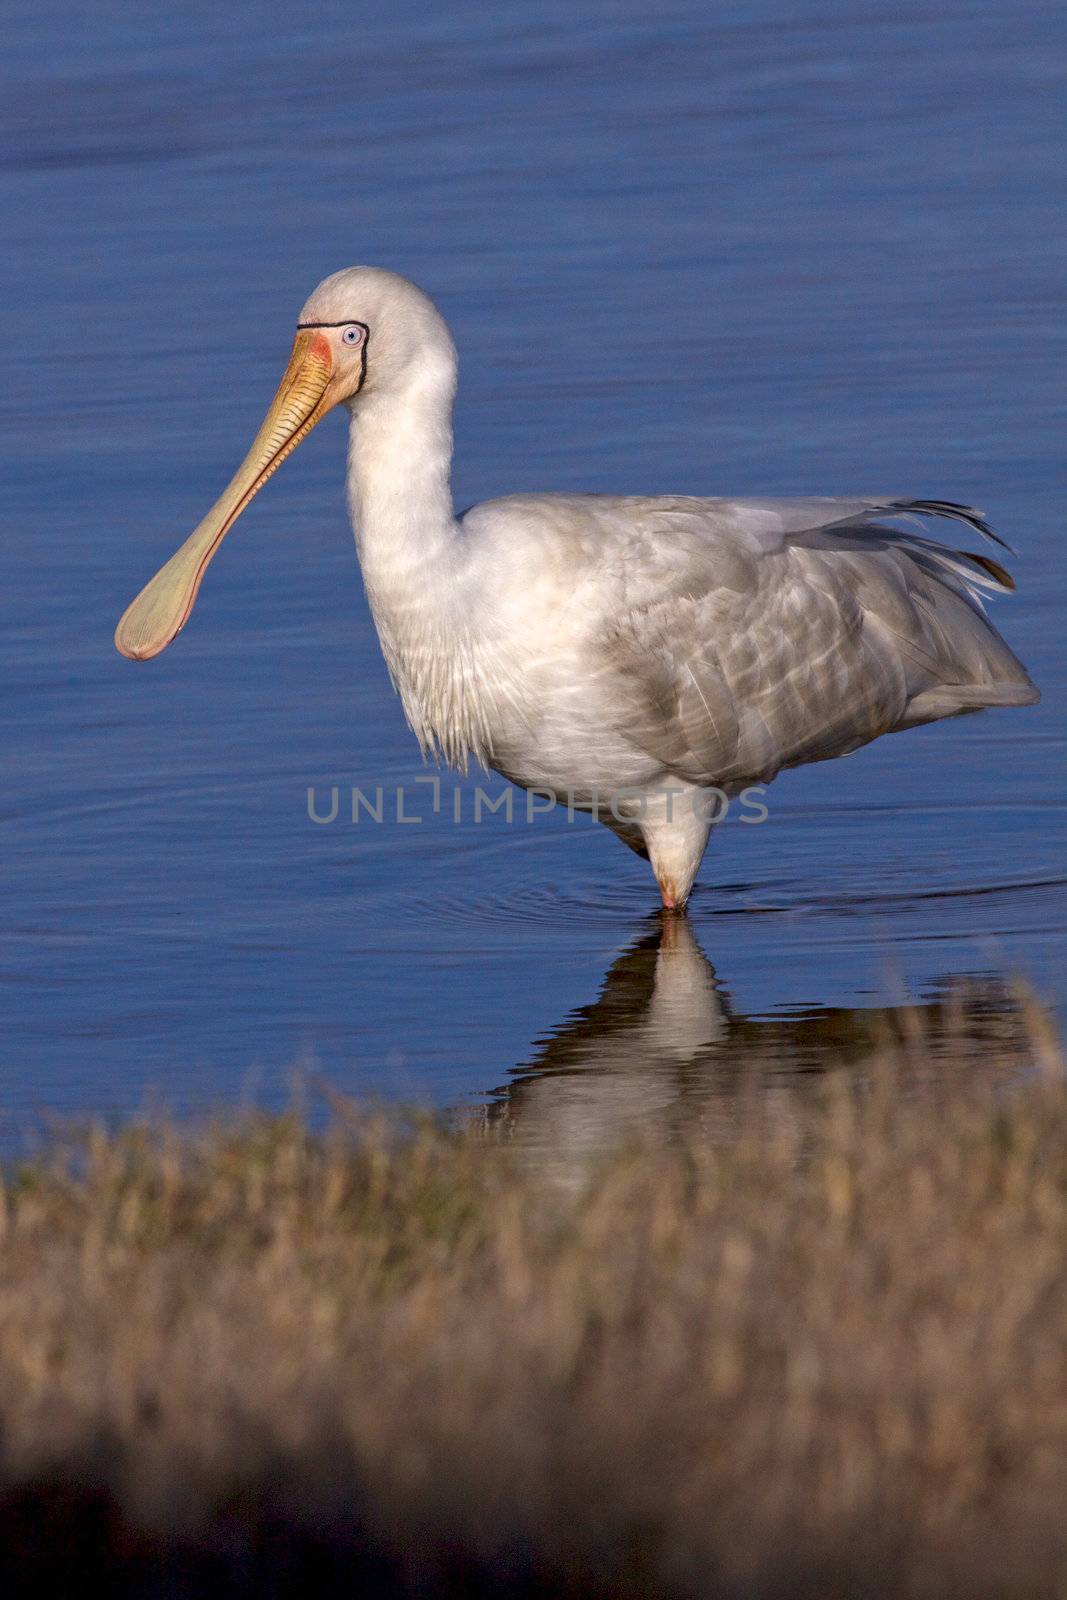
(661, 1051)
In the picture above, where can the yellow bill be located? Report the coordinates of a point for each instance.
(163, 606)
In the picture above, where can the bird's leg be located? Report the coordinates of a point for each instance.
(676, 830)
(671, 896)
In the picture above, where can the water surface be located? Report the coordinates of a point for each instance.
(761, 248)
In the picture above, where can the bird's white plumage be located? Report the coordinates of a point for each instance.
(588, 643)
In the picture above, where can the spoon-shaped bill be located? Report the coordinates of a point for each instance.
(162, 608)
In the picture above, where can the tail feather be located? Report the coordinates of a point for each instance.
(952, 638)
(949, 509)
(955, 699)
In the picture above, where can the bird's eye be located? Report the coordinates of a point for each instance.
(352, 336)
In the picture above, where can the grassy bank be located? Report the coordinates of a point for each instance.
(824, 1357)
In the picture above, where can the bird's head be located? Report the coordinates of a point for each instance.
(363, 332)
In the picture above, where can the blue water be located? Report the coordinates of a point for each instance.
(755, 248)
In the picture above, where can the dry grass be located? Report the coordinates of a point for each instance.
(824, 1358)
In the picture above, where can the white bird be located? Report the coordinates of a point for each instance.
(630, 656)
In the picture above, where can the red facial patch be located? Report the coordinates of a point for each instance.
(320, 347)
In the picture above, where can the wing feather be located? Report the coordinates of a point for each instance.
(757, 635)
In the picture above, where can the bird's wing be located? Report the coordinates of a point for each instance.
(752, 635)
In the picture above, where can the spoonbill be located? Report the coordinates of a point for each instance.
(627, 655)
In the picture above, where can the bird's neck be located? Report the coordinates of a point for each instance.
(412, 553)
